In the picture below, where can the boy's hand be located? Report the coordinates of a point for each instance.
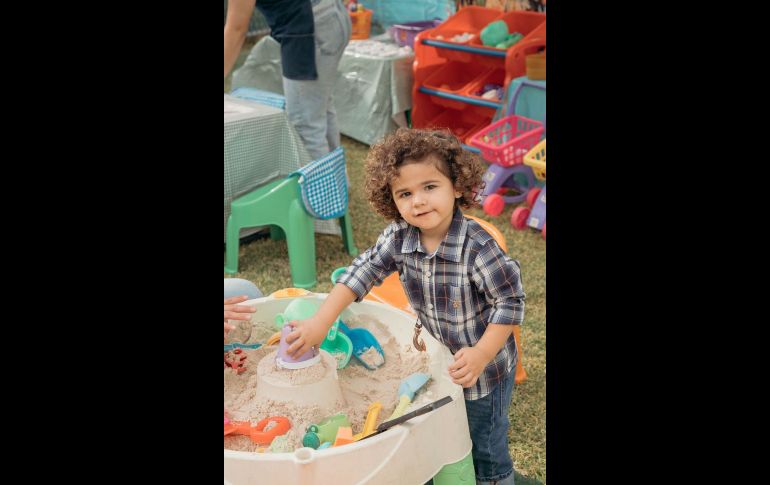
(305, 334)
(233, 311)
(468, 365)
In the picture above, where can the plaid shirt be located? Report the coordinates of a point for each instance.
(468, 283)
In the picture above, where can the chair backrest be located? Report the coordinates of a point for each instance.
(323, 185)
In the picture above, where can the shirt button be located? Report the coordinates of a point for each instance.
(430, 306)
(428, 274)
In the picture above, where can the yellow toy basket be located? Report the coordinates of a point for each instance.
(535, 158)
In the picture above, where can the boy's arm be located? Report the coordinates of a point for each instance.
(371, 267)
(368, 269)
(312, 331)
(470, 361)
(499, 278)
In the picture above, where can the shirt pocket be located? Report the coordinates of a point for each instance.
(449, 304)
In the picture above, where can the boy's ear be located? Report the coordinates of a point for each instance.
(458, 194)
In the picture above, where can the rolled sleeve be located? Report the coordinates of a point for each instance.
(499, 278)
(371, 267)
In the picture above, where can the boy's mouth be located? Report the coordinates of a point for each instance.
(422, 214)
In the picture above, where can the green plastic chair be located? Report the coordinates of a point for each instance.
(279, 205)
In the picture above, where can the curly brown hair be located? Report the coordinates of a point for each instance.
(385, 158)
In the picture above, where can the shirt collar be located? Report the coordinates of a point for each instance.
(450, 248)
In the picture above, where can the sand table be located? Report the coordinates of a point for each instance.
(360, 386)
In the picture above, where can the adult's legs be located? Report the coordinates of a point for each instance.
(310, 104)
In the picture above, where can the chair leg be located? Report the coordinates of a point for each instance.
(231, 246)
(300, 239)
(276, 233)
(346, 228)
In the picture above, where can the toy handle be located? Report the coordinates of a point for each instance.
(403, 403)
(371, 417)
(333, 331)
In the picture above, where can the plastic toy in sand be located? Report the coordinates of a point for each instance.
(371, 420)
(235, 360)
(325, 431)
(365, 346)
(406, 391)
(237, 345)
(297, 310)
(261, 433)
(337, 343)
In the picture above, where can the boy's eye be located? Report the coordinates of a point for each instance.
(430, 187)
(404, 195)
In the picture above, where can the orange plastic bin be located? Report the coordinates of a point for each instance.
(362, 24)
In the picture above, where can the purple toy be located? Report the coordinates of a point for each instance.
(283, 359)
(534, 214)
(404, 34)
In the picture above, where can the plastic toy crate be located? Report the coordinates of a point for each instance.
(506, 141)
(462, 124)
(493, 76)
(454, 78)
(473, 131)
(535, 158)
(468, 19)
(519, 21)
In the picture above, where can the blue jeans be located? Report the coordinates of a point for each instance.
(310, 104)
(488, 423)
(238, 287)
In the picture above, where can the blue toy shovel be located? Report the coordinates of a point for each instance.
(406, 391)
(363, 340)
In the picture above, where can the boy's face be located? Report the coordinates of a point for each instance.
(424, 196)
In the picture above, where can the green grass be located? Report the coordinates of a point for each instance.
(264, 262)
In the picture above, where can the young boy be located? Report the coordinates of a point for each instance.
(466, 292)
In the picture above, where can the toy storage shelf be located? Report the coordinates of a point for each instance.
(449, 75)
(464, 48)
(458, 97)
